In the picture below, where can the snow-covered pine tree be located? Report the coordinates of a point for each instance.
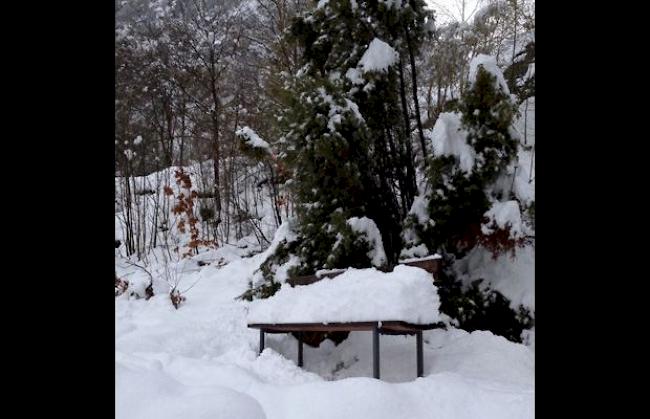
(347, 136)
(472, 148)
(464, 204)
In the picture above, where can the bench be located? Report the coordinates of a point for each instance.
(378, 327)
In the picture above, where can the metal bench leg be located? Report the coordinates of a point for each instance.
(261, 340)
(375, 350)
(420, 354)
(300, 349)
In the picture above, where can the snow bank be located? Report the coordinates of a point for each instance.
(406, 294)
(201, 361)
(367, 228)
(489, 64)
(448, 396)
(481, 355)
(252, 139)
(153, 394)
(449, 139)
(378, 57)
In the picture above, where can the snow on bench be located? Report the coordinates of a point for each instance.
(358, 295)
(404, 301)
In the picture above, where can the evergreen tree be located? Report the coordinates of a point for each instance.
(458, 196)
(473, 147)
(347, 135)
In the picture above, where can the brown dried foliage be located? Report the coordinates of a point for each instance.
(184, 208)
(500, 241)
(121, 285)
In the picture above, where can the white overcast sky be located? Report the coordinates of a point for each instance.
(445, 8)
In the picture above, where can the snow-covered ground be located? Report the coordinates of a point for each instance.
(201, 361)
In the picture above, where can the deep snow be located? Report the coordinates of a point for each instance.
(201, 361)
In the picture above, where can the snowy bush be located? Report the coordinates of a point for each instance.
(468, 202)
(478, 307)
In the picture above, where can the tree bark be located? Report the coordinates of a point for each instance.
(408, 161)
(414, 84)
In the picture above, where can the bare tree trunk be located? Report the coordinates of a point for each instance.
(217, 183)
(135, 221)
(526, 123)
(170, 133)
(411, 185)
(154, 229)
(532, 159)
(182, 144)
(275, 195)
(414, 85)
(215, 148)
(130, 245)
(514, 42)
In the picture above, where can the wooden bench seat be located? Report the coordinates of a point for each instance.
(390, 327)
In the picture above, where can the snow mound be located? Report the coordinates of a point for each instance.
(482, 355)
(378, 57)
(153, 394)
(406, 294)
(201, 361)
(441, 396)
